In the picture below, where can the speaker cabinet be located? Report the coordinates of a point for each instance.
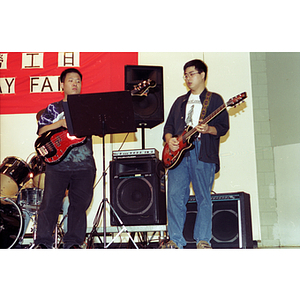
(231, 221)
(148, 110)
(137, 190)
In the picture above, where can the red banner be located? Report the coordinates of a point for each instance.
(30, 81)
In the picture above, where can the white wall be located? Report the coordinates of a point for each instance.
(18, 134)
(287, 162)
(229, 74)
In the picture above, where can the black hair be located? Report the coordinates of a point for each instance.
(199, 65)
(70, 70)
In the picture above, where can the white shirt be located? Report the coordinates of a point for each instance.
(193, 110)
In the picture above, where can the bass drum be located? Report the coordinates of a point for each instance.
(14, 172)
(38, 166)
(11, 223)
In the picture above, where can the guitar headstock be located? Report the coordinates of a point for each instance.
(142, 88)
(237, 99)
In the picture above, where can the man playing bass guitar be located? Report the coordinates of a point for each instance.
(74, 172)
(200, 162)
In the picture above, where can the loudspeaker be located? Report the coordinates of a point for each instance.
(148, 110)
(231, 221)
(137, 190)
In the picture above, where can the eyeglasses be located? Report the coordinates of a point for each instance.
(191, 74)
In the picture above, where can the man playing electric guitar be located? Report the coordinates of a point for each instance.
(75, 173)
(198, 164)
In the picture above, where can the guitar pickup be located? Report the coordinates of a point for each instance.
(57, 141)
(43, 150)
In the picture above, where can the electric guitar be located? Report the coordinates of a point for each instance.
(54, 145)
(171, 158)
(143, 87)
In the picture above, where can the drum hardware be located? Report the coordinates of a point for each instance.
(29, 199)
(59, 232)
(11, 223)
(33, 218)
(34, 230)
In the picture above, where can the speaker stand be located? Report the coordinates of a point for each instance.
(143, 134)
(123, 229)
(93, 233)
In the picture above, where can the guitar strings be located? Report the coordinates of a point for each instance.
(63, 137)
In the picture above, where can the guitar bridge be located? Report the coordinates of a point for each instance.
(43, 150)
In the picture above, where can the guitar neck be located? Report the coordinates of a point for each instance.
(213, 114)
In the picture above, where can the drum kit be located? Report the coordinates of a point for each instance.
(22, 186)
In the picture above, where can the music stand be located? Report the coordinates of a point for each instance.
(100, 114)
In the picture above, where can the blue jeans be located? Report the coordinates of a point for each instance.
(80, 184)
(202, 175)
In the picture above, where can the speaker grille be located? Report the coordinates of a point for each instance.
(145, 106)
(134, 196)
(225, 226)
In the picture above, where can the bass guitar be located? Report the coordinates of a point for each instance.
(54, 145)
(171, 158)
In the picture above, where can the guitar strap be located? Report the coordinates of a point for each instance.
(204, 109)
(205, 105)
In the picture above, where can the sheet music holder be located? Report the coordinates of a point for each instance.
(87, 113)
(100, 114)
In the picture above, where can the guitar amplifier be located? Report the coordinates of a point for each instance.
(231, 221)
(138, 153)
